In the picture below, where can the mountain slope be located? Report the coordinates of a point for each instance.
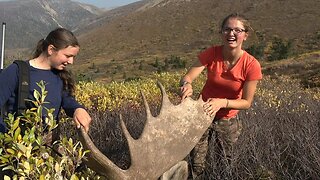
(159, 29)
(30, 20)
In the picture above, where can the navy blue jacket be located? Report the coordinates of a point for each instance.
(56, 97)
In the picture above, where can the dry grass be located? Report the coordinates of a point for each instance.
(280, 139)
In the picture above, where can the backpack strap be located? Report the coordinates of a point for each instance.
(23, 85)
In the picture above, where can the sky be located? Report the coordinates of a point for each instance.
(107, 3)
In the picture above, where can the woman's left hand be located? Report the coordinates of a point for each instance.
(213, 105)
(81, 117)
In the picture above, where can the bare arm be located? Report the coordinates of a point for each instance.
(186, 80)
(245, 102)
(214, 104)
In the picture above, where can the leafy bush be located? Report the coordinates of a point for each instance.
(174, 62)
(26, 151)
(102, 97)
(280, 49)
(257, 50)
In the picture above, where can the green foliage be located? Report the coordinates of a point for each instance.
(280, 49)
(173, 62)
(140, 65)
(26, 153)
(177, 62)
(102, 97)
(318, 35)
(156, 63)
(83, 77)
(257, 50)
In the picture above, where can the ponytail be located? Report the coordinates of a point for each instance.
(40, 48)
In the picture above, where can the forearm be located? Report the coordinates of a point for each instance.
(193, 72)
(185, 80)
(213, 105)
(240, 104)
(246, 99)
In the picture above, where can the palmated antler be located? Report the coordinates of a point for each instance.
(165, 140)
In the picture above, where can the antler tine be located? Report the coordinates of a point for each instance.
(127, 135)
(146, 105)
(165, 99)
(98, 161)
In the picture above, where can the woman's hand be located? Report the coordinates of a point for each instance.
(186, 90)
(81, 117)
(213, 105)
(192, 74)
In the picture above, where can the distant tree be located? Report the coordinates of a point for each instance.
(156, 63)
(166, 64)
(257, 50)
(140, 65)
(83, 77)
(177, 62)
(119, 67)
(280, 49)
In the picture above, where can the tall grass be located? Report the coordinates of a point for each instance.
(280, 139)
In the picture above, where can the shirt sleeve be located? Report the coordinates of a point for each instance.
(254, 71)
(69, 104)
(206, 56)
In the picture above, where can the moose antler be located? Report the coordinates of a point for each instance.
(165, 140)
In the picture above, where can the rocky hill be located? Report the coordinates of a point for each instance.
(27, 21)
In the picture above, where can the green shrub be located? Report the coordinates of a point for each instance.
(257, 50)
(280, 49)
(25, 153)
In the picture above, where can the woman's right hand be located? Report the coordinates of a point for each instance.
(185, 82)
(186, 91)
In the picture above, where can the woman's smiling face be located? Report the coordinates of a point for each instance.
(233, 33)
(61, 58)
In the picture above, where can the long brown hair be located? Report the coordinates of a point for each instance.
(60, 38)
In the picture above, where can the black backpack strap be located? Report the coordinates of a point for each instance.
(23, 86)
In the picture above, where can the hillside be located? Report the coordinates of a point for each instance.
(305, 68)
(27, 21)
(129, 45)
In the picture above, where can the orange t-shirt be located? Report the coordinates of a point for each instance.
(223, 83)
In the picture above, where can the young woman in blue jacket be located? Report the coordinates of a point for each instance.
(50, 59)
